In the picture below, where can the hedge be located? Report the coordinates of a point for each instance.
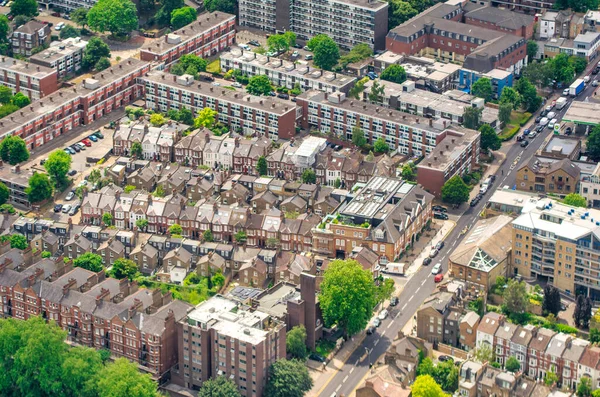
(508, 135)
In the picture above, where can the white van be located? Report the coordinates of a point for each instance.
(59, 26)
(544, 121)
(552, 122)
(551, 115)
(586, 79)
(244, 47)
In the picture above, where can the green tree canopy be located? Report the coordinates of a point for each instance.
(551, 303)
(532, 49)
(240, 237)
(510, 95)
(114, 16)
(262, 166)
(157, 119)
(136, 150)
(279, 43)
(482, 88)
(584, 388)
(529, 97)
(206, 118)
(538, 73)
(515, 296)
(425, 386)
(4, 193)
(207, 236)
(122, 378)
(124, 268)
(309, 176)
(5, 94)
(455, 191)
(18, 241)
(409, 171)
(58, 165)
(288, 378)
(394, 73)
(4, 41)
(504, 112)
(228, 6)
(325, 50)
(219, 387)
(400, 11)
(163, 16)
(347, 296)
(28, 8)
(593, 143)
(13, 150)
(512, 364)
(102, 64)
(79, 16)
(358, 137)
(377, 92)
(192, 60)
(381, 146)
(94, 50)
(39, 189)
(472, 117)
(107, 219)
(68, 31)
(295, 342)
(141, 223)
(175, 229)
(183, 16)
(575, 200)
(489, 138)
(259, 85)
(89, 261)
(20, 100)
(357, 53)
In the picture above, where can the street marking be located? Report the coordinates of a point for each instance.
(443, 257)
(376, 342)
(409, 299)
(345, 379)
(388, 327)
(417, 290)
(352, 369)
(383, 333)
(454, 243)
(423, 283)
(338, 388)
(398, 315)
(509, 172)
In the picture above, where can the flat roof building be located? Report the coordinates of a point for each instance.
(32, 80)
(63, 56)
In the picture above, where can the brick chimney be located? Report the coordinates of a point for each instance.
(71, 284)
(104, 295)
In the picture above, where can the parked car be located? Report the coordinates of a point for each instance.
(72, 172)
(568, 131)
(244, 47)
(533, 134)
(254, 43)
(316, 357)
(86, 142)
(59, 26)
(474, 202)
(74, 209)
(295, 54)
(394, 301)
(306, 48)
(439, 208)
(436, 269)
(526, 132)
(283, 96)
(539, 128)
(376, 322)
(76, 148)
(93, 138)
(439, 245)
(236, 85)
(308, 57)
(81, 145)
(98, 134)
(426, 261)
(440, 215)
(565, 92)
(58, 208)
(371, 330)
(444, 358)
(595, 83)
(433, 253)
(70, 151)
(383, 314)
(372, 75)
(83, 183)
(66, 208)
(524, 143)
(70, 196)
(438, 278)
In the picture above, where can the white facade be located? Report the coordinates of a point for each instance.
(225, 156)
(547, 26)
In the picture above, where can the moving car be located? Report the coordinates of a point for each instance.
(426, 261)
(436, 269)
(537, 119)
(534, 133)
(595, 83)
(524, 143)
(527, 131)
(438, 278)
(383, 314)
(539, 128)
(552, 123)
(586, 79)
(70, 196)
(433, 253)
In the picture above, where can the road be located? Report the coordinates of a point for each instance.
(421, 285)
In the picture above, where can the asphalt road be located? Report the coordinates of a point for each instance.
(421, 285)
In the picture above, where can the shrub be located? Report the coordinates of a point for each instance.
(508, 135)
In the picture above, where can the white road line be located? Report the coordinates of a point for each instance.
(388, 327)
(425, 280)
(351, 369)
(376, 342)
(403, 307)
(454, 243)
(508, 173)
(417, 290)
(409, 299)
(357, 361)
(383, 333)
(345, 379)
(338, 388)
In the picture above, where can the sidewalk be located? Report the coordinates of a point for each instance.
(424, 246)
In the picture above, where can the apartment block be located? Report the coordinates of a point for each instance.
(68, 108)
(28, 37)
(268, 116)
(64, 56)
(546, 175)
(530, 7)
(222, 338)
(17, 183)
(285, 74)
(68, 5)
(34, 81)
(408, 134)
(558, 243)
(500, 19)
(589, 187)
(209, 34)
(456, 154)
(347, 22)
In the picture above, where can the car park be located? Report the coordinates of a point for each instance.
(236, 85)
(438, 278)
(58, 208)
(76, 148)
(383, 314)
(86, 142)
(433, 253)
(66, 208)
(524, 143)
(93, 138)
(426, 261)
(70, 196)
(436, 269)
(81, 146)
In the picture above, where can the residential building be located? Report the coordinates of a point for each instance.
(589, 187)
(33, 81)
(271, 117)
(17, 183)
(284, 73)
(592, 21)
(484, 254)
(209, 34)
(347, 22)
(500, 78)
(221, 338)
(157, 142)
(456, 154)
(530, 7)
(431, 316)
(468, 331)
(64, 56)
(547, 29)
(30, 37)
(68, 5)
(500, 19)
(403, 357)
(543, 175)
(561, 147)
(536, 358)
(487, 329)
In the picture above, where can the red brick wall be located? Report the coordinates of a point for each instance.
(525, 31)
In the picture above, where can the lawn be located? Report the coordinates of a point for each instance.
(517, 120)
(214, 66)
(324, 347)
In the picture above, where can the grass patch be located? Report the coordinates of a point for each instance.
(193, 294)
(509, 132)
(324, 347)
(228, 87)
(214, 66)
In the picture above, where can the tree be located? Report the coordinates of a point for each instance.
(381, 146)
(515, 296)
(295, 342)
(309, 176)
(278, 43)
(4, 29)
(141, 223)
(484, 354)
(472, 117)
(219, 387)
(384, 290)
(259, 85)
(288, 378)
(207, 236)
(489, 138)
(136, 150)
(228, 6)
(577, 5)
(529, 97)
(290, 37)
(325, 50)
(482, 88)
(538, 73)
(4, 193)
(79, 16)
(551, 303)
(409, 172)
(89, 261)
(119, 17)
(394, 73)
(94, 50)
(20, 100)
(124, 268)
(399, 11)
(426, 367)
(455, 191)
(46, 254)
(261, 166)
(176, 230)
(21, 20)
(504, 112)
(347, 296)
(593, 143)
(68, 31)
(240, 237)
(206, 118)
(77, 370)
(551, 378)
(356, 90)
(164, 14)
(583, 311)
(183, 16)
(584, 388)
(357, 53)
(58, 165)
(578, 63)
(575, 200)
(377, 92)
(102, 64)
(5, 94)
(532, 49)
(18, 241)
(122, 378)
(510, 95)
(107, 219)
(512, 364)
(39, 189)
(157, 119)
(358, 137)
(13, 150)
(28, 8)
(425, 386)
